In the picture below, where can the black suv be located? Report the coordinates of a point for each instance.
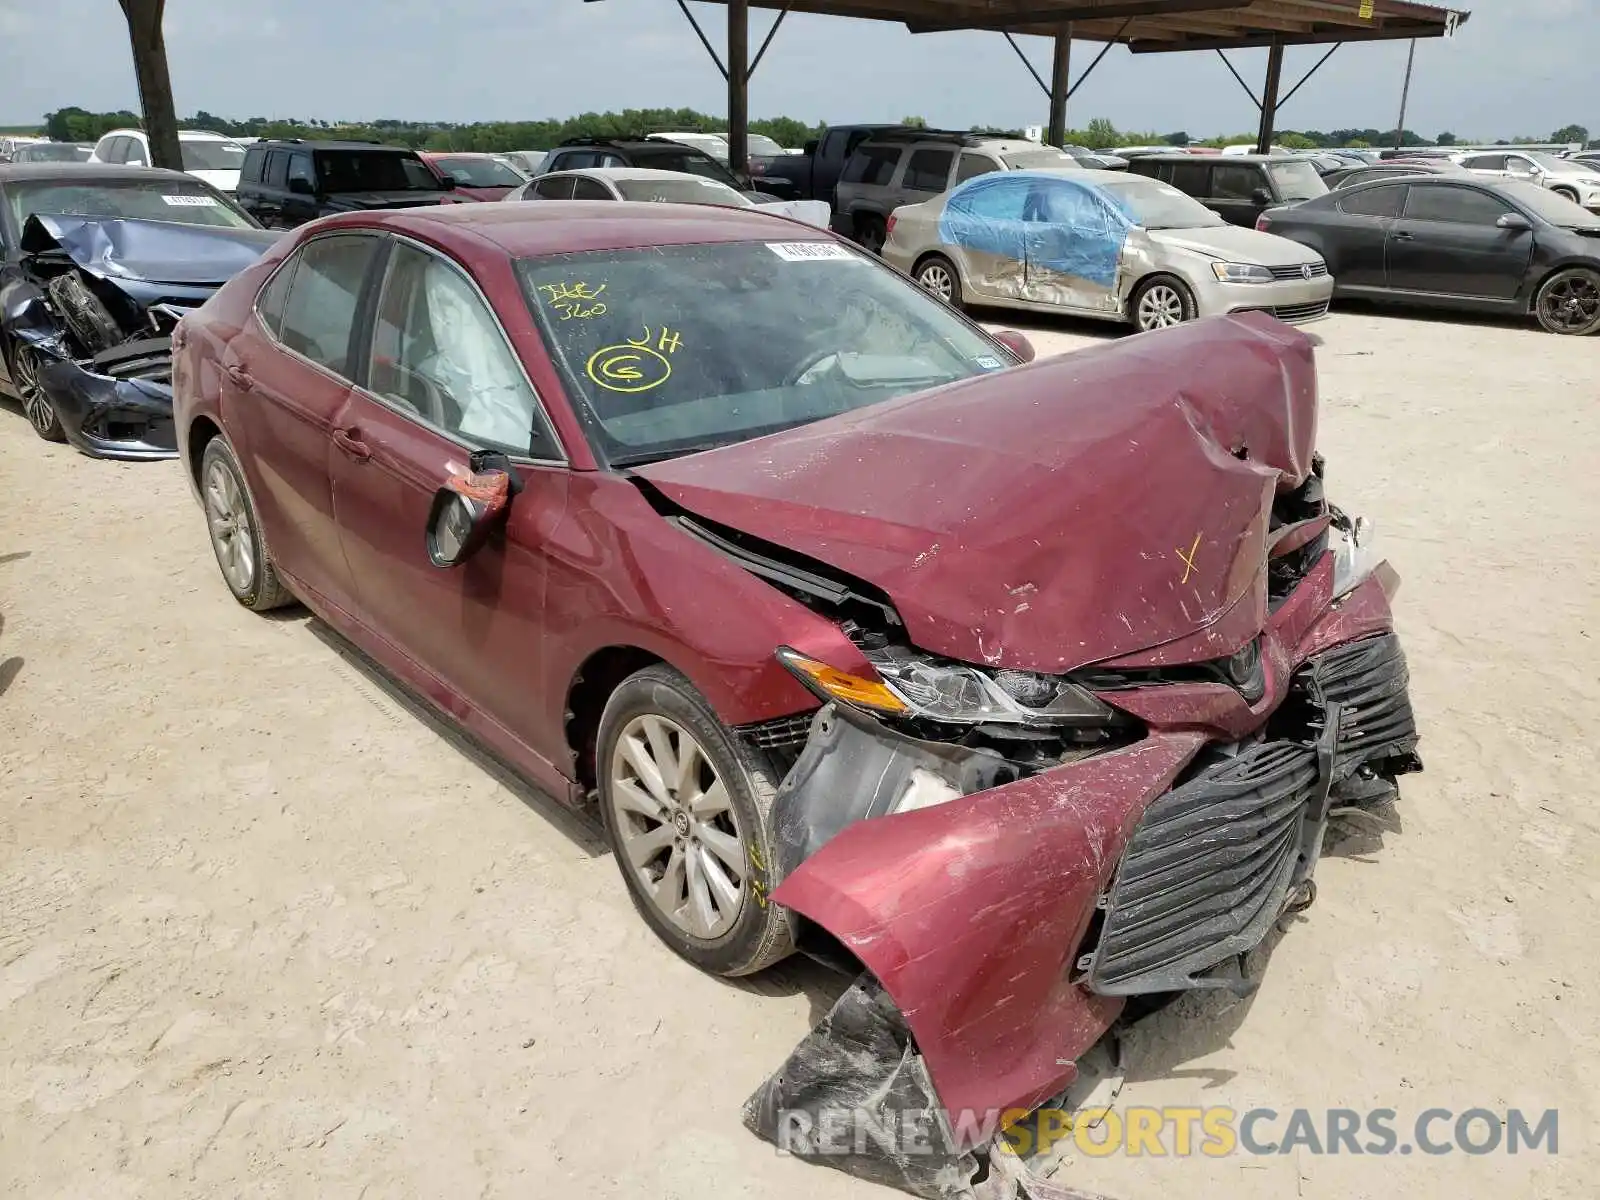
(287, 182)
(639, 152)
(1237, 187)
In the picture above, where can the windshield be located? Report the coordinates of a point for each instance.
(469, 171)
(374, 171)
(673, 349)
(1558, 210)
(680, 191)
(1157, 205)
(49, 152)
(1022, 160)
(211, 156)
(1548, 161)
(1297, 180)
(178, 201)
(691, 162)
(759, 144)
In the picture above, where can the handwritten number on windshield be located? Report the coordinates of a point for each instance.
(578, 300)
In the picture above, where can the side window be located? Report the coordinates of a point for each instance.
(320, 310)
(872, 165)
(973, 165)
(833, 145)
(929, 170)
(1375, 202)
(300, 168)
(1192, 179)
(277, 169)
(585, 188)
(134, 152)
(439, 352)
(554, 187)
(1235, 182)
(117, 149)
(1485, 162)
(611, 160)
(1464, 206)
(269, 303)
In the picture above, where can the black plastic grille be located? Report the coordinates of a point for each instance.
(780, 733)
(1298, 271)
(1369, 680)
(1301, 312)
(1206, 872)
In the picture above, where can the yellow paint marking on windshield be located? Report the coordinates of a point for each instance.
(580, 299)
(634, 365)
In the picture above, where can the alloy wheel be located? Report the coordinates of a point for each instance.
(1160, 307)
(1571, 304)
(228, 517)
(677, 827)
(36, 405)
(936, 279)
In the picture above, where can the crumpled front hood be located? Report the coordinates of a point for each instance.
(1079, 509)
(122, 248)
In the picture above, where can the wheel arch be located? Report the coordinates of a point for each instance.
(202, 430)
(591, 686)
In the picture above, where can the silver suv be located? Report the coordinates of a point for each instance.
(896, 167)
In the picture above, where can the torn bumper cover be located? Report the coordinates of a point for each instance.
(120, 404)
(1006, 927)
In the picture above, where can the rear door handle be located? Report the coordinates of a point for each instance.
(1402, 236)
(349, 440)
(240, 378)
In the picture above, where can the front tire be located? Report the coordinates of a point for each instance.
(235, 532)
(36, 405)
(939, 275)
(686, 806)
(1566, 194)
(1161, 302)
(1569, 302)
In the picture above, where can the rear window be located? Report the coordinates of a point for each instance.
(685, 159)
(471, 171)
(679, 191)
(211, 156)
(1046, 157)
(1297, 180)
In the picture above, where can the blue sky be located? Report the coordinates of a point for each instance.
(1518, 67)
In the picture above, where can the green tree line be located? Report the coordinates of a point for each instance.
(79, 125)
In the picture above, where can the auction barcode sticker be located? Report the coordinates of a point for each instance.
(191, 201)
(809, 251)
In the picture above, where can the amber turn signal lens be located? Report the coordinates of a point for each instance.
(833, 684)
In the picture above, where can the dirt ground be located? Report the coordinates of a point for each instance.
(267, 930)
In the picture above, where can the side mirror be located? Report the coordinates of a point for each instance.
(810, 146)
(469, 508)
(447, 182)
(1017, 343)
(1514, 220)
(1261, 196)
(301, 187)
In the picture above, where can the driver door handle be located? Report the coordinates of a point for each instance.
(240, 378)
(349, 440)
(1402, 236)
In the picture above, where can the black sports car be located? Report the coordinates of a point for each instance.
(1456, 241)
(97, 265)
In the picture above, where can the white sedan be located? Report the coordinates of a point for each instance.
(661, 187)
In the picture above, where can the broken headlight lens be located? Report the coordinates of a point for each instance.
(1354, 558)
(965, 695)
(1227, 272)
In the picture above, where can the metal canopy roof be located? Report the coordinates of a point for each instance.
(1156, 26)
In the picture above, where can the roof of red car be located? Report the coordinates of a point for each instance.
(527, 229)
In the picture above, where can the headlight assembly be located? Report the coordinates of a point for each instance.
(914, 684)
(1227, 272)
(1354, 558)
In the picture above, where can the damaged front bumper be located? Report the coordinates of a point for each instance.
(1006, 926)
(118, 403)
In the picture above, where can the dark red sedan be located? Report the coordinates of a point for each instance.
(1018, 689)
(476, 176)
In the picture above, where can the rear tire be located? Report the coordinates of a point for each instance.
(938, 275)
(235, 531)
(1161, 302)
(1569, 302)
(871, 231)
(692, 841)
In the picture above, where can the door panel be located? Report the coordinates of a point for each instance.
(1357, 235)
(1447, 242)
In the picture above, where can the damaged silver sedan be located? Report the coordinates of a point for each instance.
(97, 266)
